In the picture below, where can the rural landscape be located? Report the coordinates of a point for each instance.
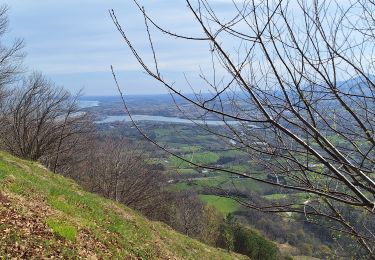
(261, 148)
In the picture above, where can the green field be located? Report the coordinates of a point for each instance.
(276, 196)
(222, 204)
(187, 171)
(197, 158)
(224, 182)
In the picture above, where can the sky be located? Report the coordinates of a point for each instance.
(74, 43)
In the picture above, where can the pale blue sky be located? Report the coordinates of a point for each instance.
(75, 42)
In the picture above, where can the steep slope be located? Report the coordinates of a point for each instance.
(43, 215)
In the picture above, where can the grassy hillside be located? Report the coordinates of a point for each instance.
(45, 215)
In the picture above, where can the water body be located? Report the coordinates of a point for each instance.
(164, 119)
(88, 103)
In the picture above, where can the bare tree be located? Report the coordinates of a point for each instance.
(188, 214)
(42, 122)
(297, 95)
(11, 56)
(119, 170)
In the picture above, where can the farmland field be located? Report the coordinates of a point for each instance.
(222, 204)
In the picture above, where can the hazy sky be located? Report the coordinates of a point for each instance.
(75, 42)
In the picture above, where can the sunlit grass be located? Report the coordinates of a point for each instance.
(224, 205)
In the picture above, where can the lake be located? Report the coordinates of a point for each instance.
(87, 103)
(126, 118)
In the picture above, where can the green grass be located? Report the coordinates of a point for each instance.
(187, 171)
(205, 158)
(190, 149)
(64, 229)
(222, 204)
(121, 232)
(223, 181)
(233, 153)
(239, 168)
(276, 196)
(181, 186)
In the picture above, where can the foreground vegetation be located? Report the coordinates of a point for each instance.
(46, 215)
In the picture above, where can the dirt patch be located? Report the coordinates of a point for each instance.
(4, 200)
(89, 245)
(22, 232)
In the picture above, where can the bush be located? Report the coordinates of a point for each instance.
(306, 249)
(243, 240)
(252, 244)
